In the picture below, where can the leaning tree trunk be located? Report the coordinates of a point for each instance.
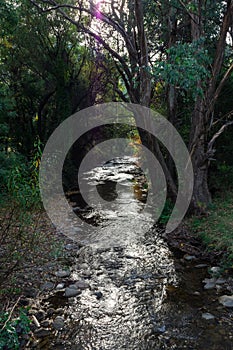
(145, 98)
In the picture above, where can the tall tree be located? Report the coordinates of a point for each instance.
(186, 65)
(201, 149)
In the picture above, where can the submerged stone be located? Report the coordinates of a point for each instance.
(210, 283)
(201, 266)
(58, 323)
(189, 257)
(221, 280)
(208, 316)
(47, 286)
(72, 292)
(62, 273)
(226, 300)
(215, 270)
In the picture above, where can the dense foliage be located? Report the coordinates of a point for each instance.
(174, 56)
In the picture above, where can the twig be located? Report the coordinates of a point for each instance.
(225, 116)
(10, 314)
(36, 321)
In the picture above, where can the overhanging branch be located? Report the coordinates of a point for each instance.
(104, 18)
(222, 82)
(216, 135)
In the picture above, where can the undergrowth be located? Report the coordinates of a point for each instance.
(216, 229)
(24, 243)
(13, 328)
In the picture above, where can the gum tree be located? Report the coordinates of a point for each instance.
(169, 42)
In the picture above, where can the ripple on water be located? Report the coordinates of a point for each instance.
(128, 277)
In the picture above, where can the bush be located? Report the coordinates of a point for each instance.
(9, 161)
(20, 215)
(23, 182)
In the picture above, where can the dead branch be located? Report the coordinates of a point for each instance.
(216, 135)
(224, 117)
(10, 314)
(222, 82)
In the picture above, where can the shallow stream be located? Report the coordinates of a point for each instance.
(139, 295)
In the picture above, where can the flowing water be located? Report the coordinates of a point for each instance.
(129, 263)
(138, 295)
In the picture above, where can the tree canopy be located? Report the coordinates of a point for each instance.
(174, 56)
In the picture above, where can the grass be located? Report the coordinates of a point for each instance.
(216, 230)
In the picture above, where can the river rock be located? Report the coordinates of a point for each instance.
(70, 246)
(208, 316)
(42, 332)
(45, 323)
(71, 291)
(226, 300)
(189, 257)
(30, 292)
(86, 273)
(215, 270)
(60, 286)
(196, 293)
(160, 329)
(60, 311)
(221, 280)
(98, 295)
(210, 283)
(62, 273)
(40, 315)
(83, 266)
(58, 323)
(201, 266)
(51, 311)
(82, 285)
(47, 286)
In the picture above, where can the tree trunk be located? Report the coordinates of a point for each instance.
(201, 194)
(171, 90)
(203, 109)
(145, 97)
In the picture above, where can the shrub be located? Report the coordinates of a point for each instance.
(20, 215)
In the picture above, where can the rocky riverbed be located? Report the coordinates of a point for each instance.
(78, 307)
(153, 292)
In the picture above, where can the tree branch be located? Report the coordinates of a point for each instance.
(188, 12)
(93, 11)
(212, 92)
(216, 135)
(222, 82)
(104, 18)
(227, 115)
(55, 7)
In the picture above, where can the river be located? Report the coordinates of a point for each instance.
(139, 295)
